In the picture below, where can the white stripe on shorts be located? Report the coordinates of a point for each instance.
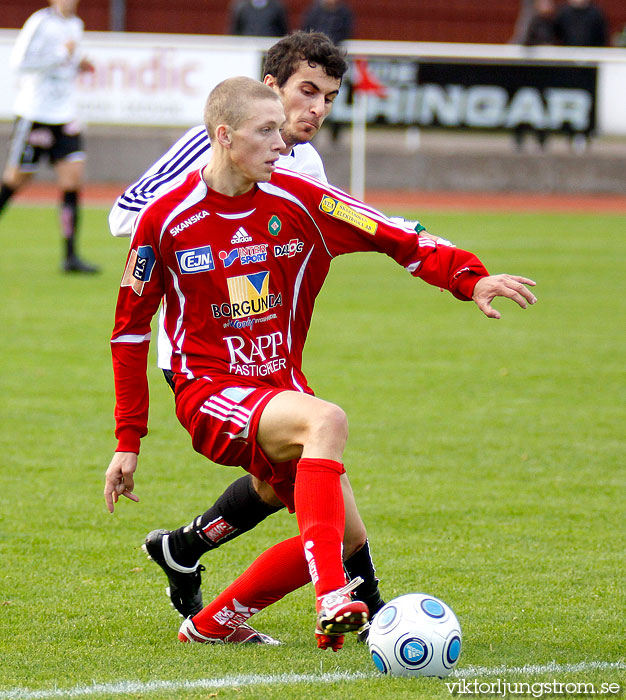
(218, 401)
(224, 420)
(226, 410)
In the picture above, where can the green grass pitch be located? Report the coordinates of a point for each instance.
(487, 458)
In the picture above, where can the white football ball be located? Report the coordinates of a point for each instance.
(415, 635)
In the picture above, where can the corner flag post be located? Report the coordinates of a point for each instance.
(364, 83)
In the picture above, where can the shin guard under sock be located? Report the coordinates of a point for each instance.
(236, 511)
(278, 571)
(321, 517)
(361, 564)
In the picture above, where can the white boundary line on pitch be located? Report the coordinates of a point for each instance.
(533, 670)
(127, 687)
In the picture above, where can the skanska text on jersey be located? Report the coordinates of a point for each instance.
(188, 222)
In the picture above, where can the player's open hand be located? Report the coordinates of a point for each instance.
(118, 480)
(511, 286)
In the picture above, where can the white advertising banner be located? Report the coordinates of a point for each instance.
(153, 80)
(163, 79)
(612, 98)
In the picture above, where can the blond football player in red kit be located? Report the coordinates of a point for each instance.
(237, 315)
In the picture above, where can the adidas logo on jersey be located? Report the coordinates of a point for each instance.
(241, 236)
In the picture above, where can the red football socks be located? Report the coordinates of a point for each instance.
(278, 571)
(321, 519)
(316, 555)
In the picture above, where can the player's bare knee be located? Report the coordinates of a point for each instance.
(329, 425)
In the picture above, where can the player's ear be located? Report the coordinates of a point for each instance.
(271, 81)
(223, 135)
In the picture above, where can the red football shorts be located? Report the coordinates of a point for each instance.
(223, 427)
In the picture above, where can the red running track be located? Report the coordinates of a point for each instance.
(105, 195)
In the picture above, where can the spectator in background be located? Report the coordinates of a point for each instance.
(581, 23)
(47, 59)
(259, 18)
(335, 19)
(524, 17)
(331, 17)
(540, 31)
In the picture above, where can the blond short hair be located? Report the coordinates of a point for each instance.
(230, 102)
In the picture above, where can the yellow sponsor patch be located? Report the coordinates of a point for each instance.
(340, 210)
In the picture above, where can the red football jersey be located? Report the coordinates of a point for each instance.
(238, 277)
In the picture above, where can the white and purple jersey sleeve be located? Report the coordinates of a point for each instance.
(192, 152)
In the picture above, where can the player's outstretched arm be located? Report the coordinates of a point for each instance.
(511, 286)
(118, 480)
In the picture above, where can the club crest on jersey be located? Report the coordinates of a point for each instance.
(249, 296)
(241, 236)
(340, 210)
(195, 260)
(139, 268)
(274, 225)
